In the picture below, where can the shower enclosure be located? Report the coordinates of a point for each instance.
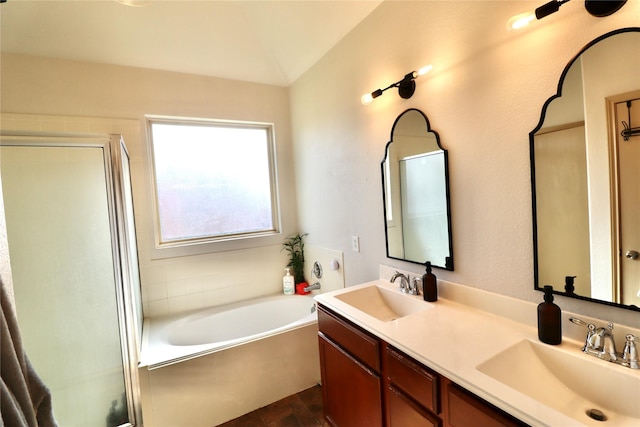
(74, 266)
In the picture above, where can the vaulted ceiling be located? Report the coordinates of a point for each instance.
(268, 41)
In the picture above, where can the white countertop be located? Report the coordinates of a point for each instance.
(453, 339)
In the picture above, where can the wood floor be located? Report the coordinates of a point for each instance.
(303, 409)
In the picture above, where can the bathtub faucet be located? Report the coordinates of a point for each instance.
(312, 287)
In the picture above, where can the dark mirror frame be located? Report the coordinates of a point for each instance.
(537, 285)
(449, 259)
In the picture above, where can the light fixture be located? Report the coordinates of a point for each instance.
(602, 8)
(524, 19)
(406, 86)
(599, 8)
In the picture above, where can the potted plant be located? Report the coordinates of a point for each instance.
(295, 246)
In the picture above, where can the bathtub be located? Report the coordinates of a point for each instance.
(206, 367)
(171, 339)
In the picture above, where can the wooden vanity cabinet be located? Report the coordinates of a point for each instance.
(350, 370)
(360, 372)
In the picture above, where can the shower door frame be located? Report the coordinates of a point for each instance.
(129, 325)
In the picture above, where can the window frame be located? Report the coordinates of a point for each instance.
(225, 242)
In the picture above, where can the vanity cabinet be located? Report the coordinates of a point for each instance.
(367, 382)
(350, 370)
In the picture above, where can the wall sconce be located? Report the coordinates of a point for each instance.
(406, 86)
(599, 8)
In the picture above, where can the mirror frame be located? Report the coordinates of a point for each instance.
(558, 94)
(449, 260)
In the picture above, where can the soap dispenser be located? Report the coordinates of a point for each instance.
(288, 283)
(549, 319)
(429, 285)
(568, 284)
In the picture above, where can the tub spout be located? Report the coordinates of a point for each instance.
(312, 287)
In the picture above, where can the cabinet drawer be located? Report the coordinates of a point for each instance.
(413, 378)
(360, 344)
(468, 410)
(403, 412)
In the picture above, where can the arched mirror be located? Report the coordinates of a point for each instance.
(415, 189)
(585, 170)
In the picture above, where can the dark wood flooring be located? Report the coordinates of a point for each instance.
(302, 409)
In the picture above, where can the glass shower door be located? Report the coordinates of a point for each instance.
(67, 277)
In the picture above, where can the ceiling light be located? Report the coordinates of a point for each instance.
(406, 86)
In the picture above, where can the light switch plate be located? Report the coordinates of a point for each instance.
(355, 243)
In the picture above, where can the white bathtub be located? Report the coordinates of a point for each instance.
(172, 339)
(201, 369)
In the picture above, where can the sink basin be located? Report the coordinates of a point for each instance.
(573, 384)
(383, 304)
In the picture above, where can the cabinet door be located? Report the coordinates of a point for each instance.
(351, 392)
(402, 412)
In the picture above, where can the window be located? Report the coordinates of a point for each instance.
(214, 180)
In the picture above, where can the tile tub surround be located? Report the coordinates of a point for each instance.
(463, 329)
(173, 286)
(213, 389)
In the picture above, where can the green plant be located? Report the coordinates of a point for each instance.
(295, 246)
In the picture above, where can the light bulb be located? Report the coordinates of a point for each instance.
(520, 21)
(424, 70)
(366, 99)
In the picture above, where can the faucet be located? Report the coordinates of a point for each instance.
(406, 285)
(313, 287)
(601, 344)
(404, 281)
(602, 341)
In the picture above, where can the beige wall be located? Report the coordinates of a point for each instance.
(483, 96)
(51, 95)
